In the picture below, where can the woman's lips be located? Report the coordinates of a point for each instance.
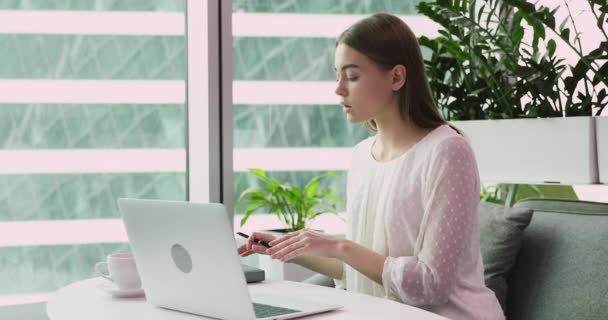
(346, 108)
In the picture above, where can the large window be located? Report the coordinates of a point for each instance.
(92, 108)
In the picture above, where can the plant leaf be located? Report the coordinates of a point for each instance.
(517, 34)
(524, 72)
(480, 12)
(259, 173)
(580, 70)
(254, 206)
(248, 191)
(565, 34)
(561, 26)
(551, 47)
(312, 186)
(453, 48)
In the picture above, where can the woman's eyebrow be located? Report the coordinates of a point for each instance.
(347, 66)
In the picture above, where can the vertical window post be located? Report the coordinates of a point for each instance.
(209, 101)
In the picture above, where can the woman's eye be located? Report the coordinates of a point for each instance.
(351, 78)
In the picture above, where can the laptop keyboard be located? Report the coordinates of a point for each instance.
(264, 310)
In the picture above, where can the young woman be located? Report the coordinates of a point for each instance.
(412, 188)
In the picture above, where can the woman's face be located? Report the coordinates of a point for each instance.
(365, 89)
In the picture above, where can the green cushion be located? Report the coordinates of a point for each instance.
(501, 234)
(562, 268)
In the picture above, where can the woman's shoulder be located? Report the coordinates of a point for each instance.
(360, 155)
(364, 144)
(446, 141)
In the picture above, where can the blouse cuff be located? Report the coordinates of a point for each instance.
(392, 275)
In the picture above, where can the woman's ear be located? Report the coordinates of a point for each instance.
(398, 77)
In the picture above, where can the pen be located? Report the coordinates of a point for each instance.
(264, 243)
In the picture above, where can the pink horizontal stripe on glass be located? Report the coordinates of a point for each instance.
(161, 92)
(93, 91)
(172, 23)
(57, 232)
(92, 161)
(91, 22)
(312, 25)
(285, 92)
(287, 159)
(82, 161)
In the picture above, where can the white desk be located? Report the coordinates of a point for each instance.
(83, 300)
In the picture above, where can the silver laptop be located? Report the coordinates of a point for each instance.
(187, 259)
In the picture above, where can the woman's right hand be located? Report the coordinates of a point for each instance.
(251, 247)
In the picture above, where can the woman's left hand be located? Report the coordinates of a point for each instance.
(304, 242)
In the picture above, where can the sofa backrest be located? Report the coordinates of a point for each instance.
(561, 271)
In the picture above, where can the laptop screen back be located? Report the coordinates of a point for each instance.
(186, 256)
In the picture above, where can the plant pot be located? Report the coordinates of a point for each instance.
(534, 151)
(601, 130)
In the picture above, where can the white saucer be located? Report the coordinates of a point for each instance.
(112, 289)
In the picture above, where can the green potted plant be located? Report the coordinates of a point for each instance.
(294, 206)
(515, 90)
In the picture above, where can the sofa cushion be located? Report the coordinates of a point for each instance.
(561, 271)
(501, 233)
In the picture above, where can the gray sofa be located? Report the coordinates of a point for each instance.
(561, 271)
(545, 259)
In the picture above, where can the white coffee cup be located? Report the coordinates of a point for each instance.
(121, 269)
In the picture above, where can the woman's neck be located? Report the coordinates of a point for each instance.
(395, 136)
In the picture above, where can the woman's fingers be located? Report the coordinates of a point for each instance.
(243, 252)
(257, 236)
(283, 244)
(259, 249)
(255, 249)
(285, 238)
(294, 254)
(294, 244)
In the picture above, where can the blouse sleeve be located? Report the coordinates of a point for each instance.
(450, 199)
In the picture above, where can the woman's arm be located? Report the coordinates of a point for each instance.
(330, 267)
(360, 258)
(451, 197)
(328, 253)
(368, 262)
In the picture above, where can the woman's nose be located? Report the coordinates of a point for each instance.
(340, 90)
